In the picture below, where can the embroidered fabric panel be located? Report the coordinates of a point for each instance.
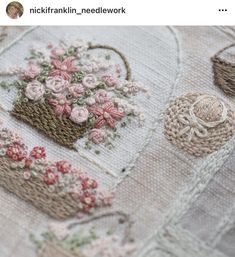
(165, 181)
(206, 174)
(133, 138)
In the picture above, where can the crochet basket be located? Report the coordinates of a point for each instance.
(59, 128)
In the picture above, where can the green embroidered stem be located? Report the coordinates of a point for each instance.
(122, 56)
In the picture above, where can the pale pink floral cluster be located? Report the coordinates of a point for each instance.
(105, 246)
(95, 99)
(108, 246)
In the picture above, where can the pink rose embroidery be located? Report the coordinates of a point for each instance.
(101, 96)
(38, 152)
(57, 84)
(16, 152)
(76, 90)
(64, 68)
(34, 90)
(107, 114)
(79, 115)
(32, 72)
(90, 81)
(110, 81)
(50, 177)
(63, 166)
(61, 105)
(97, 136)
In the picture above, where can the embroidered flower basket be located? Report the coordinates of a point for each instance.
(67, 95)
(37, 192)
(54, 187)
(61, 241)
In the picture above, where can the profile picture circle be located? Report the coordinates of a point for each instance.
(15, 10)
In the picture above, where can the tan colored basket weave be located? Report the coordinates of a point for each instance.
(42, 117)
(224, 71)
(217, 136)
(36, 192)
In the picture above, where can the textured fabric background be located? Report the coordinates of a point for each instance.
(182, 206)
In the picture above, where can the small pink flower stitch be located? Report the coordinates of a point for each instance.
(102, 96)
(79, 115)
(16, 152)
(97, 136)
(90, 81)
(107, 197)
(89, 184)
(28, 162)
(76, 90)
(50, 177)
(38, 152)
(89, 201)
(30, 73)
(107, 114)
(109, 80)
(64, 68)
(61, 105)
(26, 175)
(63, 166)
(77, 191)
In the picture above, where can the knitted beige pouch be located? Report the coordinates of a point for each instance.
(199, 123)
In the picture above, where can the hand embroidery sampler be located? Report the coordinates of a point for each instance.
(118, 144)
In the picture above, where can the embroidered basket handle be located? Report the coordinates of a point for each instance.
(124, 218)
(122, 56)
